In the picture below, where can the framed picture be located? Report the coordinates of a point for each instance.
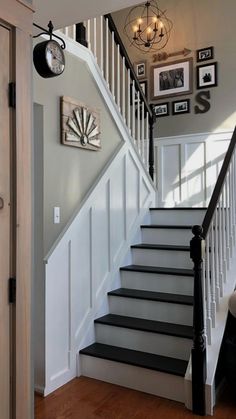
(140, 69)
(207, 75)
(172, 79)
(144, 87)
(181, 106)
(205, 54)
(162, 109)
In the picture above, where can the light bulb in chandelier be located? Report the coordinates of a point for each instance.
(147, 27)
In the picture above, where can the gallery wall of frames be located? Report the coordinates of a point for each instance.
(171, 82)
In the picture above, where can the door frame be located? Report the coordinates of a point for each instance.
(20, 17)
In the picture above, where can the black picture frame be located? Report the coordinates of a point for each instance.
(161, 109)
(180, 107)
(140, 69)
(205, 54)
(207, 75)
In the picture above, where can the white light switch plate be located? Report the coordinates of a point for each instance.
(56, 215)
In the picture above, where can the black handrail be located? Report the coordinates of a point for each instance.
(197, 245)
(219, 186)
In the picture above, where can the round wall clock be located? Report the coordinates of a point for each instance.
(49, 59)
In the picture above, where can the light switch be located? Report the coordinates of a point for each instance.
(56, 215)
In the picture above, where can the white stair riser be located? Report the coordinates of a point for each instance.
(157, 282)
(166, 236)
(141, 379)
(177, 217)
(164, 258)
(151, 310)
(138, 340)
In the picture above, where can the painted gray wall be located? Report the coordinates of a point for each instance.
(197, 24)
(70, 172)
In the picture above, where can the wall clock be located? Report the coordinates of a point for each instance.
(48, 56)
(49, 59)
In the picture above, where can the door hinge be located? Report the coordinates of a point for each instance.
(12, 290)
(12, 95)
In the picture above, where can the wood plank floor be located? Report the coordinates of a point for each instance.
(85, 398)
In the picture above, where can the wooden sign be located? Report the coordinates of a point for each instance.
(162, 56)
(80, 125)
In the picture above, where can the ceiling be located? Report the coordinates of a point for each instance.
(67, 12)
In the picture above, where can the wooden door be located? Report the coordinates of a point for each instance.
(5, 226)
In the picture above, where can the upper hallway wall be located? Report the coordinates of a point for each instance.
(197, 24)
(70, 172)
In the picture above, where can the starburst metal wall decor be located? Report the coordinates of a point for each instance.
(80, 125)
(148, 27)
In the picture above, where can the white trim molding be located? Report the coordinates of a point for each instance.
(187, 167)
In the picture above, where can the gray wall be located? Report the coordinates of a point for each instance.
(70, 172)
(197, 24)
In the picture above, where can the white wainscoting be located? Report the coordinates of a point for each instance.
(84, 265)
(187, 167)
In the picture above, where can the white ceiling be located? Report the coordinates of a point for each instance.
(67, 12)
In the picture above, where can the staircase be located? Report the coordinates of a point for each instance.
(145, 341)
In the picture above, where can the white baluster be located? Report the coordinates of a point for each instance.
(107, 52)
(67, 31)
(128, 100)
(233, 198)
(208, 294)
(221, 276)
(113, 65)
(227, 221)
(147, 141)
(123, 87)
(142, 134)
(95, 38)
(224, 266)
(231, 238)
(89, 34)
(118, 76)
(212, 268)
(216, 251)
(74, 32)
(101, 46)
(133, 110)
(138, 123)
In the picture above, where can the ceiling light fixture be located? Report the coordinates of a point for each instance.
(147, 27)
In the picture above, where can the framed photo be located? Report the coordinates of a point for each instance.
(172, 79)
(205, 54)
(181, 106)
(207, 75)
(162, 109)
(140, 69)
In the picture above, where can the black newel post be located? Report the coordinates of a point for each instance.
(152, 120)
(197, 248)
(81, 34)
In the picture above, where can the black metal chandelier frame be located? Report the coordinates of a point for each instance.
(147, 27)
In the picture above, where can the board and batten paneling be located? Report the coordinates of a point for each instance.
(84, 265)
(187, 167)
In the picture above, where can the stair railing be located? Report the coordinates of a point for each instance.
(211, 250)
(100, 35)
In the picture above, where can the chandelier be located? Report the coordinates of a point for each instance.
(147, 27)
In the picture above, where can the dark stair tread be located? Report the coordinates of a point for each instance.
(152, 296)
(158, 270)
(140, 359)
(177, 208)
(167, 226)
(161, 247)
(152, 326)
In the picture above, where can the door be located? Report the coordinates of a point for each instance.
(5, 223)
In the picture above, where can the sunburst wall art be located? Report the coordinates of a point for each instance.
(80, 125)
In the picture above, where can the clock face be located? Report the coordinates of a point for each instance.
(55, 57)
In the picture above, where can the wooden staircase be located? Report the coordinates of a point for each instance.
(145, 341)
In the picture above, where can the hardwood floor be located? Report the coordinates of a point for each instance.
(85, 398)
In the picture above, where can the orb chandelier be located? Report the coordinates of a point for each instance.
(147, 27)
